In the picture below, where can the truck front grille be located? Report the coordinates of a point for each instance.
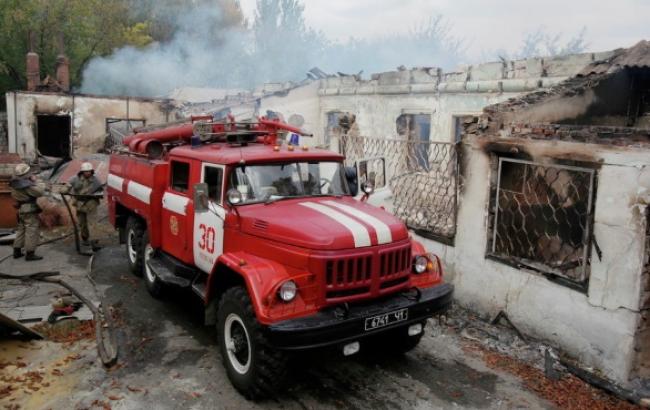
(380, 270)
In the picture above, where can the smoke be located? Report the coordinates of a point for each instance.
(206, 50)
(210, 46)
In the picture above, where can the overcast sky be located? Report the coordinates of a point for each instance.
(484, 25)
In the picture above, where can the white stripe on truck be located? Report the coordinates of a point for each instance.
(383, 230)
(358, 231)
(175, 203)
(115, 182)
(139, 191)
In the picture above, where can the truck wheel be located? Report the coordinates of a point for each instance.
(254, 368)
(135, 230)
(154, 285)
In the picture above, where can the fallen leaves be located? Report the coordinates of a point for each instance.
(101, 404)
(569, 392)
(84, 330)
(134, 389)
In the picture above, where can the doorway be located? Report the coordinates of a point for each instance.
(53, 135)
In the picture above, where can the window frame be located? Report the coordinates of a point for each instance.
(205, 165)
(186, 192)
(538, 265)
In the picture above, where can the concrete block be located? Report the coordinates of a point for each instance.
(459, 76)
(534, 67)
(566, 66)
(451, 87)
(347, 90)
(391, 78)
(425, 75)
(425, 88)
(488, 71)
(367, 88)
(517, 85)
(393, 89)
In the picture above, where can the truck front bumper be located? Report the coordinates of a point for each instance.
(341, 324)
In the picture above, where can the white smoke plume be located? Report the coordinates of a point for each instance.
(208, 49)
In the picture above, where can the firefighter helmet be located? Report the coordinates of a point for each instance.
(21, 169)
(86, 167)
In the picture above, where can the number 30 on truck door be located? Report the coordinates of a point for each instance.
(206, 238)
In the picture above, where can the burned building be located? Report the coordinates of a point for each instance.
(553, 221)
(48, 120)
(73, 125)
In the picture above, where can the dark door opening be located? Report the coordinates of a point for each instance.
(53, 137)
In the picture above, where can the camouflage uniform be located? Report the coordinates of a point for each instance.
(25, 192)
(86, 207)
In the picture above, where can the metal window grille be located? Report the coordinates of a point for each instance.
(542, 217)
(423, 178)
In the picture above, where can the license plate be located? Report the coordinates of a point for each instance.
(385, 319)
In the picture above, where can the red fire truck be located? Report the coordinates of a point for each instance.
(269, 235)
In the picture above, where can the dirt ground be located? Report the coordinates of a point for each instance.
(169, 360)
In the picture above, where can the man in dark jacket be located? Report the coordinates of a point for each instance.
(25, 190)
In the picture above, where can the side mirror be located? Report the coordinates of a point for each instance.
(201, 199)
(373, 171)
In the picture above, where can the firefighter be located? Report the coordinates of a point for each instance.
(85, 183)
(25, 190)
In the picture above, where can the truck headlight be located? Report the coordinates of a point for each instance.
(288, 291)
(420, 264)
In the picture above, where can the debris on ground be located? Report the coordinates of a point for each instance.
(501, 347)
(67, 331)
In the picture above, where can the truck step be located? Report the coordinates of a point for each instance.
(200, 289)
(166, 275)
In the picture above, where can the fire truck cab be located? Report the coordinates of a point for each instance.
(269, 236)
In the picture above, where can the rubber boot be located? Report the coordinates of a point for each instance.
(18, 253)
(31, 256)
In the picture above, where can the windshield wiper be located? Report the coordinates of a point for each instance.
(276, 198)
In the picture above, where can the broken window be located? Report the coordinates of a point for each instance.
(180, 176)
(338, 123)
(53, 135)
(416, 128)
(542, 218)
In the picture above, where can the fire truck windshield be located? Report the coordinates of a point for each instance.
(268, 183)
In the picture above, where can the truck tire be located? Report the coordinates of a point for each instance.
(154, 285)
(254, 368)
(135, 230)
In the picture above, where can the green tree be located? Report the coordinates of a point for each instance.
(86, 28)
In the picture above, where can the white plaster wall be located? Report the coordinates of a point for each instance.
(88, 115)
(597, 328)
(376, 114)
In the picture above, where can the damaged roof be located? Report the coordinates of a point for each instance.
(637, 56)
